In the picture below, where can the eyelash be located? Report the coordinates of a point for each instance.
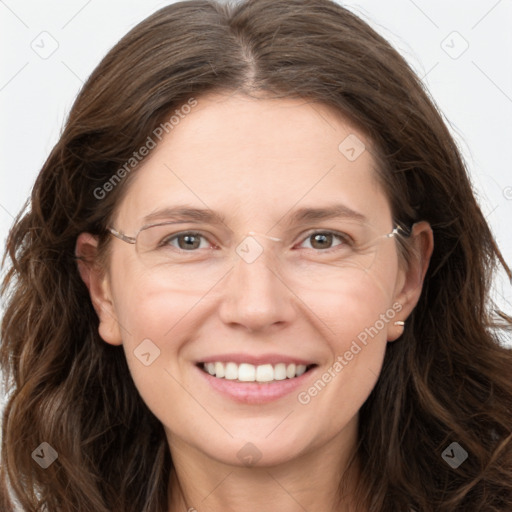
(345, 239)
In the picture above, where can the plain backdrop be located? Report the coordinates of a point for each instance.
(461, 50)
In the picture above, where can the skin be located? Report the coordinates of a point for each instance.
(255, 161)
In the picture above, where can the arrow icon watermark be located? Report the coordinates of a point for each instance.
(147, 352)
(45, 455)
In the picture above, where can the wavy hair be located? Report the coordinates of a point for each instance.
(447, 380)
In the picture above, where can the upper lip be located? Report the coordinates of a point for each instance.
(256, 360)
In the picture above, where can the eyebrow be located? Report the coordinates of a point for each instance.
(207, 216)
(337, 210)
(184, 213)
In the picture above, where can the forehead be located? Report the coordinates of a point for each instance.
(256, 160)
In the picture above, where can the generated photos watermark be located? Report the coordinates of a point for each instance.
(305, 397)
(137, 156)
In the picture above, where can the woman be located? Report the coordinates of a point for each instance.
(253, 275)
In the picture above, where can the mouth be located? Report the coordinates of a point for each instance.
(266, 373)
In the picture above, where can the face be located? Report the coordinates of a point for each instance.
(302, 291)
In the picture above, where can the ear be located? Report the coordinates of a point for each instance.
(96, 280)
(410, 282)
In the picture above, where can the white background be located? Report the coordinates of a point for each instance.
(474, 90)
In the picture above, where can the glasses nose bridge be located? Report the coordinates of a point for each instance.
(274, 238)
(251, 250)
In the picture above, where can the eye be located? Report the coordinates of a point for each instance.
(186, 241)
(323, 240)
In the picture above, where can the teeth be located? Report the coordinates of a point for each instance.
(219, 370)
(300, 370)
(246, 372)
(280, 371)
(231, 371)
(264, 373)
(290, 371)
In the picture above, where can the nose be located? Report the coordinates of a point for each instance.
(255, 295)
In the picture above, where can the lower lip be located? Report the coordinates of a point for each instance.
(255, 392)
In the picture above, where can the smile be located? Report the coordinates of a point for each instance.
(246, 372)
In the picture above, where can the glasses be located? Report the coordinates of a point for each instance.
(191, 258)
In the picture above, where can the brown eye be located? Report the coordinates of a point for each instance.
(322, 240)
(188, 241)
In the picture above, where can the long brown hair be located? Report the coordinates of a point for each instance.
(447, 380)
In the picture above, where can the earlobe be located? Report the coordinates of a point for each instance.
(97, 283)
(411, 285)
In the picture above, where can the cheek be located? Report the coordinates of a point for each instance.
(147, 305)
(153, 321)
(349, 305)
(157, 329)
(356, 315)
